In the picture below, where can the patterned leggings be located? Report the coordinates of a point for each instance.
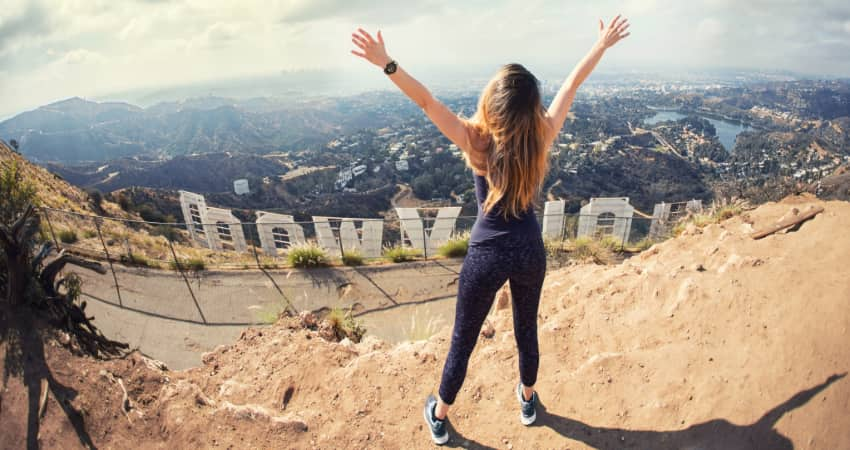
(518, 259)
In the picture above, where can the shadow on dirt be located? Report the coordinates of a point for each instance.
(714, 434)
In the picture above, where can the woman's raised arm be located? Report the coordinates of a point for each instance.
(446, 121)
(608, 36)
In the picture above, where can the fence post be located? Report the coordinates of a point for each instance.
(338, 238)
(50, 226)
(564, 229)
(424, 238)
(290, 308)
(129, 250)
(625, 233)
(188, 285)
(109, 260)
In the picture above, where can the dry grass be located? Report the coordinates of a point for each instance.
(399, 254)
(345, 325)
(420, 329)
(716, 214)
(585, 249)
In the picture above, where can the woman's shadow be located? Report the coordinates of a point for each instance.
(717, 433)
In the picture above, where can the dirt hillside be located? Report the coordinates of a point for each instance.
(710, 340)
(52, 190)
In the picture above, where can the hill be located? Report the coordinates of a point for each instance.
(77, 130)
(210, 172)
(52, 190)
(709, 340)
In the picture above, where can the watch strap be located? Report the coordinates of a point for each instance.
(391, 67)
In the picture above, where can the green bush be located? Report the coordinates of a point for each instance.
(352, 258)
(169, 232)
(88, 234)
(135, 259)
(190, 264)
(455, 247)
(644, 244)
(16, 193)
(68, 236)
(306, 256)
(399, 254)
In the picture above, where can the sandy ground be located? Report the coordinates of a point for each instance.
(711, 340)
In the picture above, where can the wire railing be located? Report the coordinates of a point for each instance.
(234, 245)
(188, 272)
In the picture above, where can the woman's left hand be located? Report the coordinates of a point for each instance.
(373, 51)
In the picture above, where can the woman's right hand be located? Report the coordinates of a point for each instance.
(614, 32)
(372, 50)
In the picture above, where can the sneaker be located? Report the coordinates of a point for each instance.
(438, 427)
(528, 412)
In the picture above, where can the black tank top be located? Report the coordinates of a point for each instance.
(491, 226)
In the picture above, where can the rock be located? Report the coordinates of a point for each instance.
(259, 413)
(488, 331)
(64, 338)
(203, 400)
(326, 331)
(308, 319)
(503, 297)
(208, 357)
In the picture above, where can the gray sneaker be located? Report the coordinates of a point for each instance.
(438, 427)
(528, 412)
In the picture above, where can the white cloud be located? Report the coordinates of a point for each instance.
(710, 29)
(216, 36)
(81, 56)
(60, 48)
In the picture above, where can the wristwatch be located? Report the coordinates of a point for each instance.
(391, 67)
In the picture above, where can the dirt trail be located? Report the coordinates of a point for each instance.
(711, 340)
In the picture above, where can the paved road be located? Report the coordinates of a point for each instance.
(170, 321)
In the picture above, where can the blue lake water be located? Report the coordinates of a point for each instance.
(726, 131)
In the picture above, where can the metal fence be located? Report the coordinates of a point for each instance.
(161, 269)
(238, 245)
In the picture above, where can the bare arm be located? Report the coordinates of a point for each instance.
(560, 107)
(446, 121)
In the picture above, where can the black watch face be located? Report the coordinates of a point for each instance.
(391, 67)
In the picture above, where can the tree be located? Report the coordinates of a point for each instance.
(29, 281)
(14, 144)
(96, 198)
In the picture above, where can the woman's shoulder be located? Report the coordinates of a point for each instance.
(479, 140)
(476, 155)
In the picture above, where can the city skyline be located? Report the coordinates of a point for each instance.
(59, 49)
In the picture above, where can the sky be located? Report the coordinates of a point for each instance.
(51, 50)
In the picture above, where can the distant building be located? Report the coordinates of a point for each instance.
(241, 187)
(359, 170)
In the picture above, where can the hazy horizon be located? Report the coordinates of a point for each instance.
(51, 50)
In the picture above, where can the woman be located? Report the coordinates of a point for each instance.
(506, 145)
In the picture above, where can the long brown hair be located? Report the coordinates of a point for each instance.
(510, 112)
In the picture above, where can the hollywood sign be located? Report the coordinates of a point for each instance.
(218, 229)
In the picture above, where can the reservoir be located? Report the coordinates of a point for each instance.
(726, 131)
